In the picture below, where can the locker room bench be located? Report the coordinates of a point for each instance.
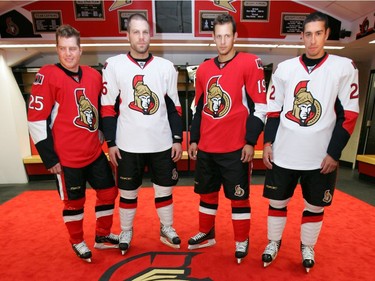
(34, 164)
(366, 164)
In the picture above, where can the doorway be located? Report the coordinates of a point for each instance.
(367, 139)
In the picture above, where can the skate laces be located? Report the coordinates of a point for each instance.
(81, 248)
(271, 248)
(198, 236)
(126, 236)
(307, 252)
(242, 246)
(169, 231)
(112, 236)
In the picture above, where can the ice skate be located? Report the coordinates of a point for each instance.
(307, 257)
(270, 252)
(124, 240)
(241, 250)
(106, 242)
(169, 237)
(202, 240)
(82, 251)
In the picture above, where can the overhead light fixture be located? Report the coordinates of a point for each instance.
(179, 44)
(334, 47)
(22, 46)
(255, 45)
(372, 42)
(284, 46)
(105, 44)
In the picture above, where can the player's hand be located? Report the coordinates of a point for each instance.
(114, 154)
(176, 151)
(193, 148)
(268, 156)
(55, 169)
(328, 165)
(247, 153)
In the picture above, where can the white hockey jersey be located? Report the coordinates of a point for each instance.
(307, 101)
(142, 124)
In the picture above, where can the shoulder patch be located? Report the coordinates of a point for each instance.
(38, 79)
(259, 63)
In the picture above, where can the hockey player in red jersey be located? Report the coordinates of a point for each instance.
(230, 97)
(311, 115)
(146, 132)
(64, 125)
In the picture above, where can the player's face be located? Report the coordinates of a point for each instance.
(224, 39)
(139, 38)
(69, 53)
(314, 37)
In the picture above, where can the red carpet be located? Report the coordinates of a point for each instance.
(35, 243)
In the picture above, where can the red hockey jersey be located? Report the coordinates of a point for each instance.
(227, 93)
(63, 116)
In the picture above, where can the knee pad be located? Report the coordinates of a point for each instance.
(240, 203)
(210, 198)
(129, 194)
(279, 204)
(77, 204)
(312, 208)
(162, 191)
(107, 195)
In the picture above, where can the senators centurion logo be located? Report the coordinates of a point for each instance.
(306, 109)
(218, 101)
(145, 100)
(87, 114)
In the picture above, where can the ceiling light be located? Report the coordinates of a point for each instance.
(372, 42)
(179, 44)
(334, 47)
(291, 46)
(20, 46)
(255, 45)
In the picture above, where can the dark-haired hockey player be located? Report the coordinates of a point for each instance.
(311, 115)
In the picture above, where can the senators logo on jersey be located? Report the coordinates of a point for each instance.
(218, 101)
(87, 114)
(145, 100)
(306, 110)
(38, 79)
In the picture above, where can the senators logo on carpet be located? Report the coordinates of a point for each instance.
(152, 266)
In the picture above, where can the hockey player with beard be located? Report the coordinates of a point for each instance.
(145, 131)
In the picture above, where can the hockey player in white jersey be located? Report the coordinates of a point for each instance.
(312, 111)
(146, 130)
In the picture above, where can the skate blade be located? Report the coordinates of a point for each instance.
(103, 246)
(210, 242)
(265, 264)
(166, 242)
